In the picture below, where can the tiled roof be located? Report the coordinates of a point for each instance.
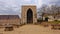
(9, 17)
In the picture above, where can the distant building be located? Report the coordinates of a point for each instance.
(51, 17)
(57, 17)
(9, 19)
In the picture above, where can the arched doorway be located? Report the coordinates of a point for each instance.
(29, 16)
(46, 19)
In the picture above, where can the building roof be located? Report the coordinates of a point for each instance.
(9, 17)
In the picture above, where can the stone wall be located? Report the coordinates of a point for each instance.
(24, 13)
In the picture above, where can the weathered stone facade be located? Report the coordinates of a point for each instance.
(9, 19)
(24, 13)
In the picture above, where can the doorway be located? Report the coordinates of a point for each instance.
(29, 16)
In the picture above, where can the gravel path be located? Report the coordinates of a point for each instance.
(31, 29)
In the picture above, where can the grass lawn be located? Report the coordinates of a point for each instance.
(54, 22)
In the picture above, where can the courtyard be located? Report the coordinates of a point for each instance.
(31, 29)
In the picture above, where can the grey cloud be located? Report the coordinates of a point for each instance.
(54, 2)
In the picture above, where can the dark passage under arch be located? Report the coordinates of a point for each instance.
(29, 16)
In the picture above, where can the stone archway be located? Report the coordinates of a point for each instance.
(29, 16)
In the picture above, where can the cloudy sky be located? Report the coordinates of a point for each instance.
(14, 6)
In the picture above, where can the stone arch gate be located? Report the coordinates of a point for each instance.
(29, 14)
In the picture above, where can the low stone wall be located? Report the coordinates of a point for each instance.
(55, 26)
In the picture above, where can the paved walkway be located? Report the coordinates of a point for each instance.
(32, 29)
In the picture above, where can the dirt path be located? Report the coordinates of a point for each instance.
(32, 29)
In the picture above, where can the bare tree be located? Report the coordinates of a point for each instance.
(42, 10)
(53, 10)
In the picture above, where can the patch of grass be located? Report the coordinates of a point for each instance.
(54, 22)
